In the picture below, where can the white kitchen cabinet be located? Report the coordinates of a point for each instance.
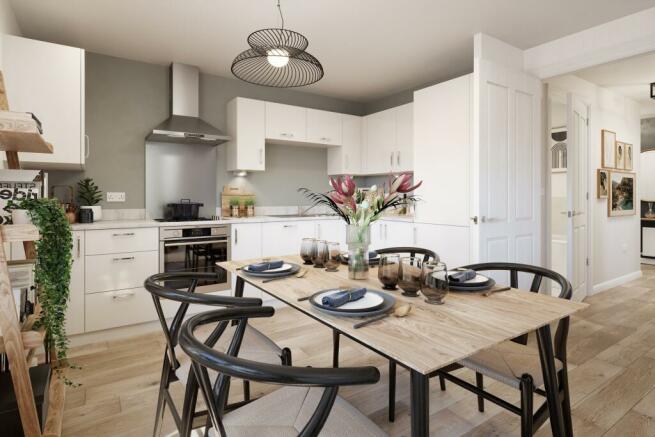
(443, 140)
(103, 241)
(113, 309)
(246, 244)
(117, 271)
(398, 233)
(380, 135)
(246, 125)
(323, 127)
(286, 122)
(282, 238)
(451, 243)
(328, 230)
(347, 159)
(404, 148)
(48, 80)
(75, 310)
(648, 242)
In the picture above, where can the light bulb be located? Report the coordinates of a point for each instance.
(277, 57)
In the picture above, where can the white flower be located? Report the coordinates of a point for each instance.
(365, 204)
(374, 188)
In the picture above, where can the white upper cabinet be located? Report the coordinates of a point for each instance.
(286, 122)
(323, 127)
(404, 153)
(380, 142)
(48, 80)
(246, 125)
(347, 159)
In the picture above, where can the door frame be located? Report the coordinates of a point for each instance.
(591, 182)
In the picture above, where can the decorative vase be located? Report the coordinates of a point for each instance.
(250, 211)
(358, 239)
(235, 211)
(97, 211)
(20, 217)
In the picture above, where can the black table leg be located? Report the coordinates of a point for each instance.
(420, 387)
(238, 288)
(335, 348)
(550, 380)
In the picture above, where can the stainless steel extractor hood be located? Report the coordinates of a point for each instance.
(184, 125)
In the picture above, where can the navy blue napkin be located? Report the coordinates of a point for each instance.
(262, 267)
(462, 276)
(342, 297)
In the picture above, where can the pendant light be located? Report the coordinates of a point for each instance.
(277, 58)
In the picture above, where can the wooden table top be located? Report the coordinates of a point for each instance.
(431, 336)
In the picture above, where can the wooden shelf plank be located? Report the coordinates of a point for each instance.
(56, 397)
(17, 233)
(31, 340)
(19, 132)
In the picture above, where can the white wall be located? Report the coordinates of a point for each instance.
(615, 240)
(8, 23)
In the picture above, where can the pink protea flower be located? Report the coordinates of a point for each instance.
(402, 184)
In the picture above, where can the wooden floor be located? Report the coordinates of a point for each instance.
(612, 376)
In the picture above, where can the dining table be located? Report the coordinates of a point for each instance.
(430, 337)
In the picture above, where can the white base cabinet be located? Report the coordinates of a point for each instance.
(75, 310)
(48, 80)
(451, 243)
(246, 244)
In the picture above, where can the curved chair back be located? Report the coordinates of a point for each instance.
(228, 365)
(539, 273)
(155, 284)
(428, 255)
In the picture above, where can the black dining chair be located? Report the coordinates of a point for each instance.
(307, 405)
(177, 365)
(428, 255)
(516, 364)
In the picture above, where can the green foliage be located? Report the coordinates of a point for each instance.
(88, 192)
(235, 201)
(249, 202)
(52, 270)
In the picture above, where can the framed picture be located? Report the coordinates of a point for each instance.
(629, 157)
(602, 183)
(620, 156)
(608, 146)
(622, 192)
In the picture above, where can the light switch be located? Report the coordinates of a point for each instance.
(115, 196)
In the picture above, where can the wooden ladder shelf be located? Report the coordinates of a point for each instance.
(20, 132)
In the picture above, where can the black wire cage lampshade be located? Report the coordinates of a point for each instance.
(277, 58)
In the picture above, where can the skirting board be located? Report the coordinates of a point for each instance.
(616, 282)
(649, 261)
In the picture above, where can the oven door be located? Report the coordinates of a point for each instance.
(197, 255)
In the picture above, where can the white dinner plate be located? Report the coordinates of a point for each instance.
(368, 302)
(479, 279)
(285, 268)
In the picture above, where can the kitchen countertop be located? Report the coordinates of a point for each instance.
(123, 224)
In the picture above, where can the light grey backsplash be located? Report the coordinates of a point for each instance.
(126, 99)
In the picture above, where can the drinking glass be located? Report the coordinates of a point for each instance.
(320, 255)
(333, 257)
(306, 249)
(434, 282)
(409, 277)
(389, 270)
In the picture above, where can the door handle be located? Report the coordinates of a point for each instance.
(119, 295)
(78, 247)
(87, 146)
(261, 156)
(398, 158)
(474, 219)
(125, 258)
(236, 236)
(391, 159)
(123, 234)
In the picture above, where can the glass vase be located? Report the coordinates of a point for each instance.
(358, 239)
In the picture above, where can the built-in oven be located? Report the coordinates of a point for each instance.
(195, 248)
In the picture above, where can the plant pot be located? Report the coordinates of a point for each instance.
(97, 211)
(20, 217)
(250, 211)
(235, 211)
(358, 239)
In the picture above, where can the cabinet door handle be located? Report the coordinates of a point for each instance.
(325, 139)
(398, 158)
(318, 227)
(261, 156)
(125, 258)
(87, 146)
(78, 247)
(119, 295)
(391, 159)
(474, 219)
(236, 236)
(123, 234)
(414, 236)
(288, 226)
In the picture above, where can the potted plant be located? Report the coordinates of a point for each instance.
(250, 207)
(359, 208)
(88, 196)
(234, 206)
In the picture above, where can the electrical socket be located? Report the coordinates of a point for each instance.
(115, 196)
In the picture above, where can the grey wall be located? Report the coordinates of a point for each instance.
(126, 99)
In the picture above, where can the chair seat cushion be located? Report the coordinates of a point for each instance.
(286, 411)
(255, 346)
(507, 362)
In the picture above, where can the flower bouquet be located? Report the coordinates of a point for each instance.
(359, 208)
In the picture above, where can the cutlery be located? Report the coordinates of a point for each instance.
(300, 274)
(495, 290)
(400, 311)
(341, 287)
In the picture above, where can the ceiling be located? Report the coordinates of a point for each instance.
(369, 48)
(630, 77)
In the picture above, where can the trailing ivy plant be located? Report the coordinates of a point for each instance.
(52, 270)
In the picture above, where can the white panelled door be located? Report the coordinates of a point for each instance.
(577, 195)
(506, 165)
